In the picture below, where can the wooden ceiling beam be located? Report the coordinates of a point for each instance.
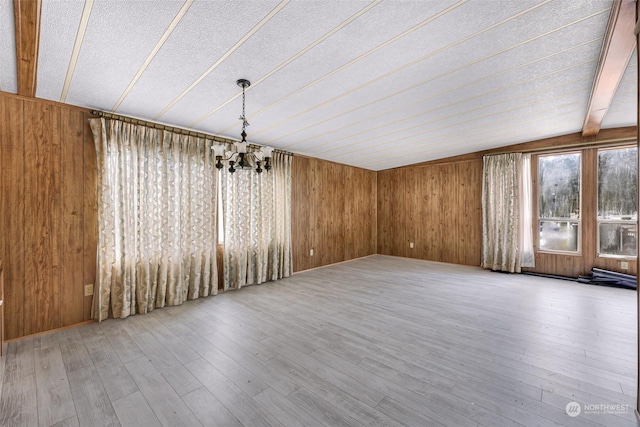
(27, 29)
(618, 46)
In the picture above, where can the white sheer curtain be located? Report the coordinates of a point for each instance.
(501, 221)
(156, 219)
(527, 256)
(257, 224)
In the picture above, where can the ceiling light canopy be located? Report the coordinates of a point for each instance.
(241, 154)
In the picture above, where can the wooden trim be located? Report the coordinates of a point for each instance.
(606, 137)
(27, 29)
(44, 101)
(304, 156)
(37, 334)
(332, 264)
(616, 52)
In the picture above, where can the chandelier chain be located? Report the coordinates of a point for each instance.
(245, 123)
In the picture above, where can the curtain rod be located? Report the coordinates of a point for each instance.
(173, 129)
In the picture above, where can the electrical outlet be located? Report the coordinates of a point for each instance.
(88, 290)
(411, 245)
(311, 252)
(624, 265)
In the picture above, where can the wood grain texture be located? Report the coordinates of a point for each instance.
(436, 207)
(12, 212)
(72, 217)
(48, 214)
(333, 212)
(619, 44)
(42, 220)
(27, 29)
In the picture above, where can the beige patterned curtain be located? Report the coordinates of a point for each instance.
(156, 219)
(501, 212)
(257, 224)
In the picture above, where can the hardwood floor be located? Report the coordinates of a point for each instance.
(375, 341)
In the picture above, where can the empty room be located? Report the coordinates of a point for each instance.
(318, 213)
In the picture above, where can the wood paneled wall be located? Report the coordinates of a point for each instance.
(333, 212)
(436, 207)
(48, 214)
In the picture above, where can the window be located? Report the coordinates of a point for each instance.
(617, 201)
(559, 203)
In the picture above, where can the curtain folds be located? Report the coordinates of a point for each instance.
(501, 220)
(156, 219)
(257, 224)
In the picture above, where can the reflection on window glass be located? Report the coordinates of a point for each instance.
(558, 236)
(559, 202)
(617, 239)
(617, 184)
(617, 201)
(559, 178)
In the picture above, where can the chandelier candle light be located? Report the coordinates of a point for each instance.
(239, 154)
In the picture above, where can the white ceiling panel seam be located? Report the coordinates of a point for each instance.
(77, 46)
(387, 74)
(290, 60)
(447, 72)
(174, 23)
(350, 63)
(239, 43)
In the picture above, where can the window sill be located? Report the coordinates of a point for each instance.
(618, 257)
(576, 254)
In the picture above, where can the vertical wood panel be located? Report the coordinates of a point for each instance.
(383, 213)
(13, 218)
(436, 207)
(300, 219)
(42, 267)
(48, 217)
(589, 210)
(334, 212)
(72, 217)
(331, 245)
(412, 206)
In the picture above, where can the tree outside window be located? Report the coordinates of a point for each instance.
(617, 201)
(559, 202)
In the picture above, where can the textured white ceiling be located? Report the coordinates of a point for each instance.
(372, 84)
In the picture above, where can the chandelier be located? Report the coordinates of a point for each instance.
(239, 155)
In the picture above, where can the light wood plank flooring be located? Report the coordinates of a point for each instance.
(375, 341)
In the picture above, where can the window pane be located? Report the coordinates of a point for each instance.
(617, 239)
(558, 236)
(559, 186)
(617, 183)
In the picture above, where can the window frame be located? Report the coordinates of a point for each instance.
(578, 252)
(612, 221)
